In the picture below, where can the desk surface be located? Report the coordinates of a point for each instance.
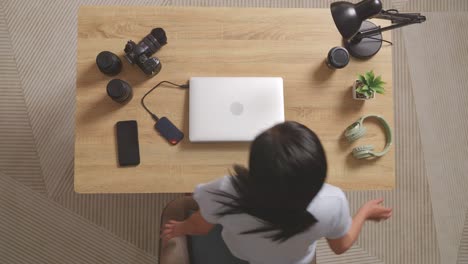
(290, 43)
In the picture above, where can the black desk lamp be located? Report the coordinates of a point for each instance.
(363, 39)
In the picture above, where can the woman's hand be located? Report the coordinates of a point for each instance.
(372, 210)
(173, 229)
(194, 225)
(375, 211)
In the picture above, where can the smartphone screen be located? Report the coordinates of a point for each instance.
(127, 143)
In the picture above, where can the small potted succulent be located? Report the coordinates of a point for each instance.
(367, 85)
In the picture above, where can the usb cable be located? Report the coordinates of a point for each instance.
(154, 116)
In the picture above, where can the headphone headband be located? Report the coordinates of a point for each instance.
(388, 134)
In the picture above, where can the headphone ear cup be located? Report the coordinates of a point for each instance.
(362, 152)
(355, 132)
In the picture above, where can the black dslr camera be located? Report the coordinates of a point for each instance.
(140, 54)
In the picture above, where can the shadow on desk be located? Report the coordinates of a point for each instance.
(102, 108)
(132, 74)
(350, 106)
(322, 73)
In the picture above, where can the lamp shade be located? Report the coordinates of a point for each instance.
(348, 17)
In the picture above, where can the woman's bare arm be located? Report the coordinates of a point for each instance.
(372, 210)
(194, 225)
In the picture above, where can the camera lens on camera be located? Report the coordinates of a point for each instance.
(109, 63)
(160, 35)
(140, 53)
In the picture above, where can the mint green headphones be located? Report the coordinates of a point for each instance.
(357, 130)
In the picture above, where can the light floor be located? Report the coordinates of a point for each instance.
(43, 221)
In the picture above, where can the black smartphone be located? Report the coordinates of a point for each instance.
(127, 143)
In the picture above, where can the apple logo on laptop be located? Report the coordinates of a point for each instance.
(237, 108)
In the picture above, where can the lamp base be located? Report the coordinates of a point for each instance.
(366, 47)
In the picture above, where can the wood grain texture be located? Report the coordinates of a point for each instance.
(290, 43)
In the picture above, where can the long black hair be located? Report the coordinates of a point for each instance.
(287, 168)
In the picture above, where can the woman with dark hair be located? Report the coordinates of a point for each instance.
(276, 210)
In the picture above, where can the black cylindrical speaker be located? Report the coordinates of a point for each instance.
(337, 58)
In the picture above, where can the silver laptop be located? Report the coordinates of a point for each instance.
(233, 108)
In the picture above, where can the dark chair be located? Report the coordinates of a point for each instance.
(207, 249)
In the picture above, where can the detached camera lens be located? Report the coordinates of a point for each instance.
(109, 63)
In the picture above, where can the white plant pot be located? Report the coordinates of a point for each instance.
(358, 96)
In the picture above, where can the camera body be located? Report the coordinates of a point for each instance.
(140, 54)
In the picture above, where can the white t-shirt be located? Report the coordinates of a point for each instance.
(329, 207)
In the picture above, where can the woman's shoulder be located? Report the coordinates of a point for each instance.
(329, 199)
(329, 190)
(205, 195)
(219, 184)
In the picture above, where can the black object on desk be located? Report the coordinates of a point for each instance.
(168, 130)
(140, 54)
(337, 58)
(109, 63)
(163, 125)
(120, 91)
(363, 39)
(127, 143)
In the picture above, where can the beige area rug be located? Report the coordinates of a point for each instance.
(463, 249)
(35, 229)
(46, 77)
(409, 237)
(18, 155)
(437, 55)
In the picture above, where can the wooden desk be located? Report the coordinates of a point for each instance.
(291, 43)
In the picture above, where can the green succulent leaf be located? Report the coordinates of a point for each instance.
(378, 79)
(370, 84)
(362, 79)
(379, 85)
(370, 77)
(379, 90)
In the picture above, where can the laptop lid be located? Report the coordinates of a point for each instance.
(233, 108)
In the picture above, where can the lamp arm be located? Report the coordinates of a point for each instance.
(398, 20)
(396, 17)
